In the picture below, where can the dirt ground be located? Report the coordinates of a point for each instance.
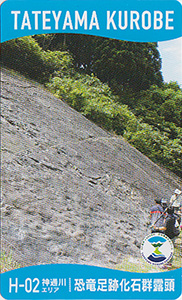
(71, 192)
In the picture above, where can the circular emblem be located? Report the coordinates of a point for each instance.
(157, 249)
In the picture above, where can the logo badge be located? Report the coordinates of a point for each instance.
(157, 249)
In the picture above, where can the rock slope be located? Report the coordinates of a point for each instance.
(71, 192)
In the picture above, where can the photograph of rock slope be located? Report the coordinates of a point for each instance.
(72, 191)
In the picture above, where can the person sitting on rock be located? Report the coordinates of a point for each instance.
(157, 217)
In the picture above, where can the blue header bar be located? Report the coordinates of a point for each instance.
(132, 20)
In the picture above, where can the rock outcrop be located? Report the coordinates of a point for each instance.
(71, 192)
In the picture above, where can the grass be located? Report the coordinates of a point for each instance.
(7, 263)
(137, 265)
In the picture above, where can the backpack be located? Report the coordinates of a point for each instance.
(171, 229)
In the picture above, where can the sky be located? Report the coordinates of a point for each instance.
(171, 54)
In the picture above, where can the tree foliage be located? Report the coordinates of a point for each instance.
(161, 107)
(95, 100)
(151, 120)
(26, 56)
(120, 64)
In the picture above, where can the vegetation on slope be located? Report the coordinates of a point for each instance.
(152, 123)
(122, 65)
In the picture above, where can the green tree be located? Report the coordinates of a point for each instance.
(121, 64)
(126, 65)
(26, 56)
(160, 106)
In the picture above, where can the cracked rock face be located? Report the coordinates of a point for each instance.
(71, 192)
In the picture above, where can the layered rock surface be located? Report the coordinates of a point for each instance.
(71, 192)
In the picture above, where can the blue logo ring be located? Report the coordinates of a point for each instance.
(157, 248)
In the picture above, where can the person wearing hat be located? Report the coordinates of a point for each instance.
(157, 217)
(175, 200)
